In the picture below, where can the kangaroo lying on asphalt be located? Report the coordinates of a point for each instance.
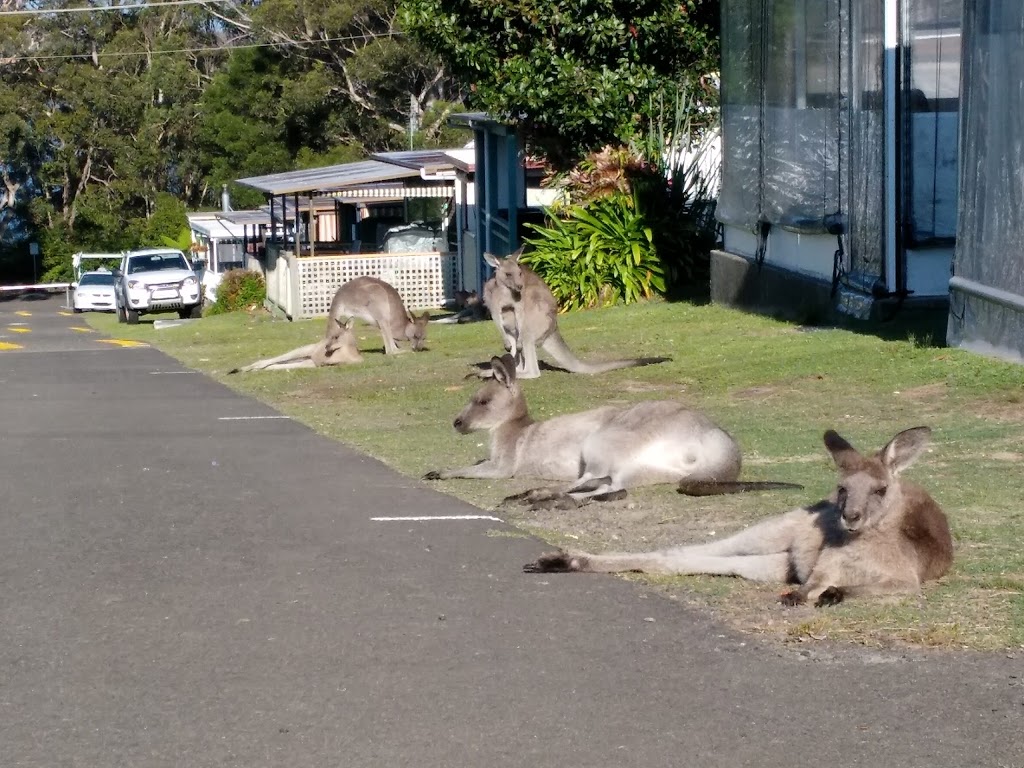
(379, 304)
(526, 313)
(601, 452)
(875, 534)
(339, 349)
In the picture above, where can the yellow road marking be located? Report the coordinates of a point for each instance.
(66, 314)
(5, 345)
(81, 329)
(18, 329)
(123, 342)
(23, 313)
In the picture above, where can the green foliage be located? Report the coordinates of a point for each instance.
(239, 290)
(598, 254)
(572, 75)
(104, 116)
(168, 224)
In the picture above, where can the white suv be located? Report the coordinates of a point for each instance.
(157, 280)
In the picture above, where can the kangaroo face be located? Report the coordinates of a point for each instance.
(869, 486)
(497, 402)
(862, 497)
(508, 272)
(416, 332)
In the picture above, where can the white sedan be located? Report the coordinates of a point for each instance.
(95, 291)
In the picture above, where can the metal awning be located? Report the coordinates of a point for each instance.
(331, 178)
(247, 218)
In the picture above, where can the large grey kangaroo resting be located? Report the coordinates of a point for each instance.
(600, 452)
(877, 533)
(339, 349)
(379, 304)
(526, 313)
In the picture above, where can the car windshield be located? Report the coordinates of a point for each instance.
(156, 262)
(104, 278)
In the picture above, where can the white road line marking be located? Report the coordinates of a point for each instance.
(428, 518)
(249, 418)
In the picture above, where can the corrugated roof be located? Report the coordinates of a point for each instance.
(328, 179)
(247, 218)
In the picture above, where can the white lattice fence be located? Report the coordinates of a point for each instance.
(423, 280)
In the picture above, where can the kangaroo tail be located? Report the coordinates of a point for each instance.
(716, 488)
(612, 562)
(555, 346)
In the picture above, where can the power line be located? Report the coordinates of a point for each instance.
(104, 8)
(205, 49)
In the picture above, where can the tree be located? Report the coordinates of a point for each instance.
(572, 75)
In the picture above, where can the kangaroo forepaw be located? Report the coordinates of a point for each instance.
(791, 598)
(553, 562)
(555, 501)
(831, 596)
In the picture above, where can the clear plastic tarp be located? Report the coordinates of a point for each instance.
(987, 296)
(802, 121)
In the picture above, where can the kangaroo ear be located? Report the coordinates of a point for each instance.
(349, 323)
(904, 449)
(843, 454)
(424, 318)
(514, 256)
(504, 369)
(491, 259)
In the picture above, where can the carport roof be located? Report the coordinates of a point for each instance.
(331, 178)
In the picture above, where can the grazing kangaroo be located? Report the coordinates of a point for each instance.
(877, 533)
(339, 349)
(379, 304)
(526, 313)
(601, 452)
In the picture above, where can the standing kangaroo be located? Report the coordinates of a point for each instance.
(379, 304)
(876, 534)
(526, 313)
(338, 349)
(600, 452)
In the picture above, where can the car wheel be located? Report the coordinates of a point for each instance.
(76, 310)
(131, 316)
(196, 312)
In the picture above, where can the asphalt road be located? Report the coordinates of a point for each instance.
(189, 579)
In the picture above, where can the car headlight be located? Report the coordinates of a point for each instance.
(132, 284)
(189, 281)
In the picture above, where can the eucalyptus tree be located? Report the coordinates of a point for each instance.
(573, 75)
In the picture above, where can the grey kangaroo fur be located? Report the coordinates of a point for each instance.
(379, 304)
(877, 533)
(469, 308)
(338, 349)
(601, 452)
(526, 314)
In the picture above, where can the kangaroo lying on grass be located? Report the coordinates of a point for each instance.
(877, 533)
(379, 304)
(526, 313)
(339, 349)
(600, 452)
(469, 308)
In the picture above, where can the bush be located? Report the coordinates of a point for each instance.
(598, 254)
(239, 290)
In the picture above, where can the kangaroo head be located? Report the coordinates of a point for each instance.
(869, 487)
(508, 272)
(416, 331)
(464, 299)
(497, 402)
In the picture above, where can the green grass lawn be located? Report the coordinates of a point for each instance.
(775, 386)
